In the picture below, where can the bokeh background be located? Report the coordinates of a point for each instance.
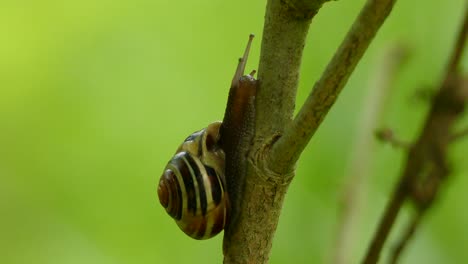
(95, 96)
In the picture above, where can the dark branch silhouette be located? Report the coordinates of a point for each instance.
(426, 166)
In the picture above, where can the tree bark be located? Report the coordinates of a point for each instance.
(249, 237)
(278, 140)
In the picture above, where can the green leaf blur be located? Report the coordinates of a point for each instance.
(95, 96)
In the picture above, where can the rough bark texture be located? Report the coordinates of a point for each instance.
(269, 166)
(248, 238)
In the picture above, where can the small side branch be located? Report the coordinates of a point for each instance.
(387, 135)
(404, 240)
(287, 149)
(459, 134)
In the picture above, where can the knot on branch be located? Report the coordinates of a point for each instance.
(258, 161)
(303, 9)
(449, 101)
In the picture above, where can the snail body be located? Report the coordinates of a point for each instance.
(193, 187)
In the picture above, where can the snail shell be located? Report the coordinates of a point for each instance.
(192, 187)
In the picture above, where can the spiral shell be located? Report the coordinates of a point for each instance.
(192, 187)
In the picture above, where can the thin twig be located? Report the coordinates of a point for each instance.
(353, 198)
(387, 135)
(386, 224)
(460, 45)
(405, 238)
(459, 135)
(429, 151)
(286, 151)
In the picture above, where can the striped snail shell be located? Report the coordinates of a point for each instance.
(192, 187)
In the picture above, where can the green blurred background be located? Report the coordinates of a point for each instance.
(95, 96)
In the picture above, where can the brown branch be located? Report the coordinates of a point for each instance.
(460, 46)
(427, 157)
(353, 198)
(249, 238)
(257, 205)
(386, 224)
(459, 135)
(284, 35)
(296, 136)
(407, 235)
(387, 135)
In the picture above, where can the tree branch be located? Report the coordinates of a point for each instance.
(407, 235)
(286, 151)
(284, 34)
(459, 134)
(387, 135)
(426, 164)
(248, 238)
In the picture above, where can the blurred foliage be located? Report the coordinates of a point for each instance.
(95, 96)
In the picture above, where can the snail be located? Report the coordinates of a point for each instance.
(193, 187)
